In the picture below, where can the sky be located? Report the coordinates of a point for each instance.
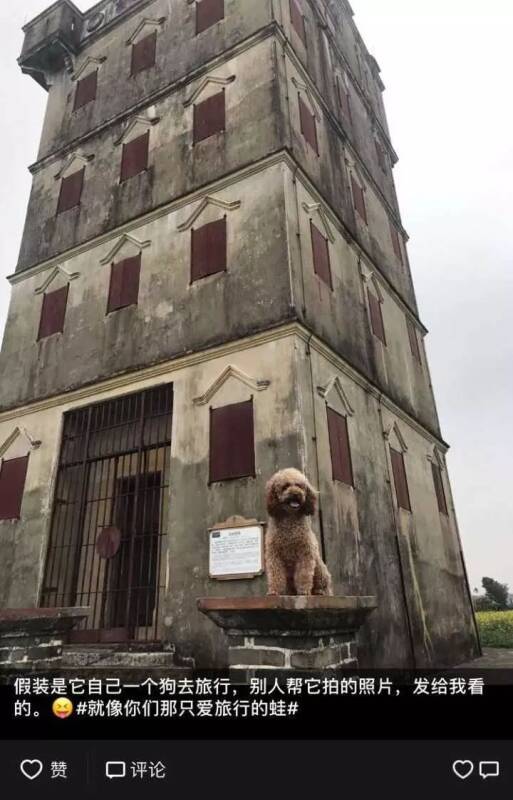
(447, 68)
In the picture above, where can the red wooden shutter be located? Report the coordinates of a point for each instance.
(298, 21)
(232, 442)
(340, 449)
(308, 125)
(124, 283)
(414, 342)
(53, 312)
(209, 117)
(209, 250)
(439, 489)
(395, 241)
(86, 90)
(359, 199)
(208, 12)
(321, 255)
(71, 191)
(376, 316)
(144, 53)
(13, 474)
(400, 479)
(135, 156)
(345, 103)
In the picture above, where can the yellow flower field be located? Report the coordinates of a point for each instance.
(495, 628)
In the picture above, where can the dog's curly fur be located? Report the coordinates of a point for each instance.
(293, 561)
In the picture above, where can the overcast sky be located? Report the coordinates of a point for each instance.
(447, 68)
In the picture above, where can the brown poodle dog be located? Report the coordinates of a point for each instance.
(293, 561)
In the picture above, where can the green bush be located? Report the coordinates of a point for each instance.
(495, 628)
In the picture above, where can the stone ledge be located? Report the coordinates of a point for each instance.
(275, 616)
(21, 622)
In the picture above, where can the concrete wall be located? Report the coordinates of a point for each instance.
(173, 316)
(360, 529)
(181, 55)
(270, 278)
(411, 561)
(176, 166)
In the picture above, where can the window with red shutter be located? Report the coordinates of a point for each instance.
(345, 102)
(439, 489)
(13, 474)
(208, 250)
(340, 448)
(395, 241)
(359, 199)
(376, 315)
(400, 480)
(298, 21)
(209, 117)
(208, 12)
(414, 342)
(321, 255)
(124, 284)
(232, 442)
(71, 191)
(144, 54)
(135, 157)
(308, 125)
(53, 312)
(86, 90)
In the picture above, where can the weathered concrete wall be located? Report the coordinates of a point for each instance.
(359, 529)
(364, 531)
(270, 278)
(340, 316)
(173, 316)
(176, 165)
(180, 55)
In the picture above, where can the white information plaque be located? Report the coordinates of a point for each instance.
(236, 552)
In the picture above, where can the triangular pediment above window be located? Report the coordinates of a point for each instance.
(436, 457)
(227, 374)
(206, 85)
(318, 214)
(355, 171)
(88, 65)
(308, 96)
(137, 127)
(395, 438)
(336, 397)
(72, 164)
(125, 245)
(55, 276)
(145, 27)
(370, 280)
(209, 200)
(18, 444)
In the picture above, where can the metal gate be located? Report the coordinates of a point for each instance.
(110, 516)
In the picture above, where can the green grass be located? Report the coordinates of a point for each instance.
(495, 628)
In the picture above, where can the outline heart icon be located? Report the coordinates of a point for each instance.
(31, 774)
(463, 769)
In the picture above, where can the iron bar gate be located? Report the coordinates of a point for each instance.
(110, 516)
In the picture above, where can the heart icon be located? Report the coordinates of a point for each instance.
(463, 769)
(31, 768)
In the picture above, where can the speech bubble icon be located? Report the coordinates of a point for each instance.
(489, 769)
(115, 769)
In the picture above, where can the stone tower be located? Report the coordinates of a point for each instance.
(213, 283)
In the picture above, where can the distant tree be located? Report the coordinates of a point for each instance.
(497, 594)
(482, 603)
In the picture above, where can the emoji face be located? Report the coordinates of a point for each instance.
(62, 707)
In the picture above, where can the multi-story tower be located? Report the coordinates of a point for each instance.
(213, 284)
